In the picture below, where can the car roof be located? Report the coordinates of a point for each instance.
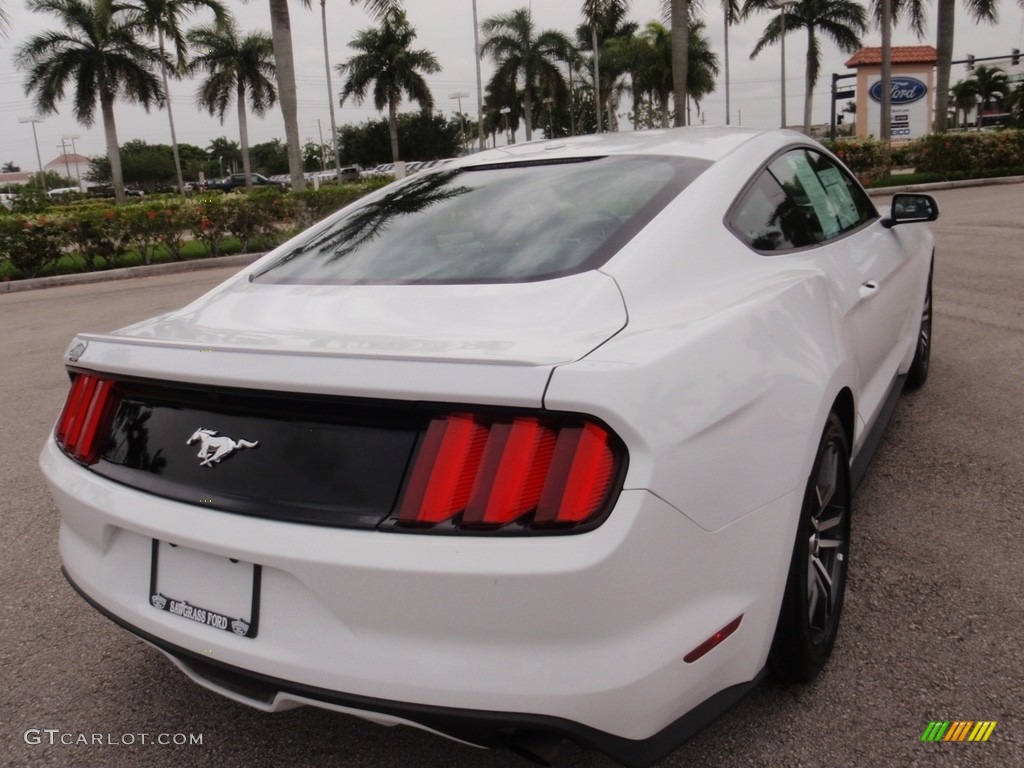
(706, 143)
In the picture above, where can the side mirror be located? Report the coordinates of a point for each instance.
(910, 208)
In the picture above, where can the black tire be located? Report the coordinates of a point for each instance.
(918, 373)
(813, 601)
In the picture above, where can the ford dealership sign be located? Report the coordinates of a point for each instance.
(905, 90)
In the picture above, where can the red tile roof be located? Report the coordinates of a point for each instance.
(901, 54)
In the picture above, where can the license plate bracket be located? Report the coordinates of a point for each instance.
(174, 582)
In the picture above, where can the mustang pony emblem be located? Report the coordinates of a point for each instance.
(213, 448)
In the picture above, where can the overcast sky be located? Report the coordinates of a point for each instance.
(446, 28)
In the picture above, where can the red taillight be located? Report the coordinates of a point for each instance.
(83, 422)
(485, 472)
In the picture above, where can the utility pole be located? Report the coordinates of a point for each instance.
(36, 119)
(78, 171)
(64, 154)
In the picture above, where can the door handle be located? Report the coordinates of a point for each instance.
(868, 289)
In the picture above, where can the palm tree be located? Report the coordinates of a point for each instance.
(702, 68)
(377, 8)
(600, 14)
(387, 62)
(616, 35)
(163, 19)
(96, 53)
(964, 97)
(649, 65)
(843, 21)
(731, 11)
(992, 86)
(238, 68)
(679, 16)
(978, 10)
(523, 54)
(914, 10)
(657, 75)
(502, 109)
(284, 61)
(221, 149)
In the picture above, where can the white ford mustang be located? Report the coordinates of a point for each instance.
(556, 441)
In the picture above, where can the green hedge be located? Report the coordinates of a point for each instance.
(937, 157)
(42, 237)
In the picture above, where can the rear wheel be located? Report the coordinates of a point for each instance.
(918, 373)
(813, 601)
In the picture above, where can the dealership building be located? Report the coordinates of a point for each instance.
(913, 90)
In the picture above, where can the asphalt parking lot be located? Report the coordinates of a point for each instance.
(934, 613)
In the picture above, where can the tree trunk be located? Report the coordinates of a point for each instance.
(170, 116)
(597, 75)
(944, 47)
(113, 148)
(528, 112)
(680, 56)
(281, 31)
(885, 123)
(809, 85)
(393, 128)
(243, 136)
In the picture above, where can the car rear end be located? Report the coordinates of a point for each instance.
(311, 489)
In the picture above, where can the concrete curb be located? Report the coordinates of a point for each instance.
(887, 191)
(242, 260)
(151, 270)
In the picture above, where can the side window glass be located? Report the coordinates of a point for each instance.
(830, 200)
(767, 218)
(852, 204)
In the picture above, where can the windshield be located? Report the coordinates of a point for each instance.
(507, 223)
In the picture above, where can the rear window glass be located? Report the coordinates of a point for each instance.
(508, 223)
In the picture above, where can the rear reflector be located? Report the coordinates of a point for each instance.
(85, 420)
(713, 641)
(486, 472)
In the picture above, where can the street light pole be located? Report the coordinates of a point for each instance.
(506, 111)
(36, 119)
(460, 95)
(479, 82)
(781, 6)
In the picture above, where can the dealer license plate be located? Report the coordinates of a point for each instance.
(215, 591)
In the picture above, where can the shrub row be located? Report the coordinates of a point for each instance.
(940, 156)
(89, 235)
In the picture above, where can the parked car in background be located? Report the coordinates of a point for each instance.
(63, 192)
(384, 169)
(237, 181)
(109, 191)
(556, 441)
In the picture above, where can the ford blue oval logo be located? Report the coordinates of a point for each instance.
(905, 90)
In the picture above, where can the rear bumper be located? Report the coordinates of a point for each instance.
(529, 735)
(581, 635)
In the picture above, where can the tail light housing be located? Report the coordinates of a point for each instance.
(510, 474)
(84, 424)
